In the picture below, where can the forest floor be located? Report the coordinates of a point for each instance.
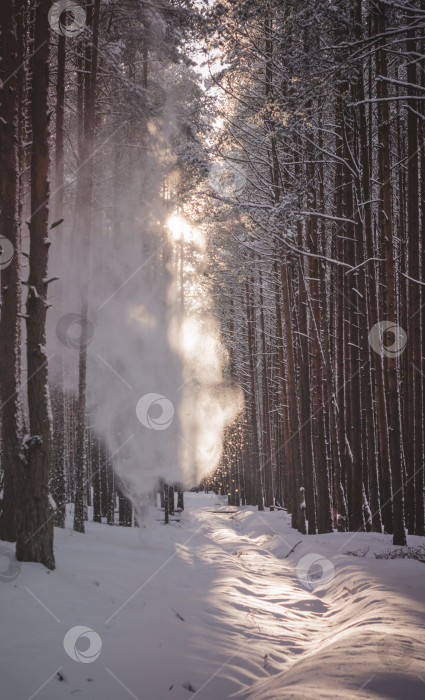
(213, 605)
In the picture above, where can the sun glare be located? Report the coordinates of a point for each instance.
(179, 227)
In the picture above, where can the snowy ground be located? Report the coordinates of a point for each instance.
(211, 606)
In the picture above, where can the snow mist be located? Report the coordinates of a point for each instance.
(157, 393)
(156, 381)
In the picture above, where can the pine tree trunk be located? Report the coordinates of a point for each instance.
(298, 520)
(180, 500)
(34, 522)
(386, 227)
(253, 408)
(96, 484)
(84, 215)
(324, 509)
(266, 447)
(414, 443)
(58, 465)
(367, 281)
(171, 499)
(10, 409)
(58, 455)
(166, 504)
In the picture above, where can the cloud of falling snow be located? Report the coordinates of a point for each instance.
(156, 379)
(156, 388)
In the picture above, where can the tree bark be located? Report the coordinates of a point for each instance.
(10, 404)
(83, 221)
(386, 227)
(34, 520)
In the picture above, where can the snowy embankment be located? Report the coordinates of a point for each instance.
(210, 606)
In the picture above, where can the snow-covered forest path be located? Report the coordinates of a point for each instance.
(212, 606)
